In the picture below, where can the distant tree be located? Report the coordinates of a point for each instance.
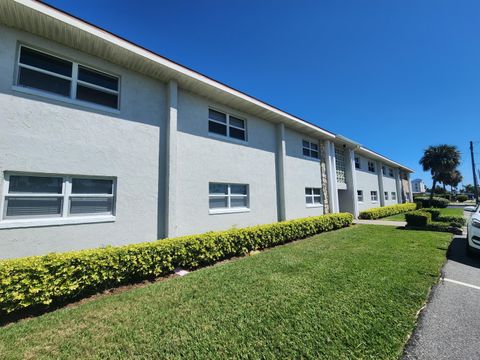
(439, 160)
(454, 179)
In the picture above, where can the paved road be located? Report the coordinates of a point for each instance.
(449, 328)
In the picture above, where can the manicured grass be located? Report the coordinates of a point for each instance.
(445, 211)
(352, 293)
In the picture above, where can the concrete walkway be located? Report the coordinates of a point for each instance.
(380, 222)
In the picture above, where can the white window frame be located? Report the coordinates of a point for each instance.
(72, 99)
(358, 164)
(228, 125)
(385, 193)
(229, 209)
(360, 196)
(309, 148)
(65, 218)
(312, 196)
(374, 196)
(394, 195)
(371, 165)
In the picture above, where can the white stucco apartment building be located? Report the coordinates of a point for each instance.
(103, 142)
(418, 186)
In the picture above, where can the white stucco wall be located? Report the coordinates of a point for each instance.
(300, 172)
(367, 181)
(39, 135)
(389, 185)
(207, 158)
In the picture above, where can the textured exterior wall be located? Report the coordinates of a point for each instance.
(204, 158)
(323, 168)
(300, 172)
(48, 136)
(390, 185)
(367, 181)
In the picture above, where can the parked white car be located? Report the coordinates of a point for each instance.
(473, 230)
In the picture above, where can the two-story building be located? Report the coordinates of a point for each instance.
(103, 142)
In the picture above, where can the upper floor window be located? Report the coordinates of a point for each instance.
(45, 72)
(226, 125)
(310, 149)
(384, 170)
(390, 172)
(357, 163)
(228, 196)
(313, 196)
(371, 166)
(42, 196)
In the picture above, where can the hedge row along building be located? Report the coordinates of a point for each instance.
(104, 142)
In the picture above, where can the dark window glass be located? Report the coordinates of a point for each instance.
(237, 133)
(314, 154)
(314, 146)
(238, 189)
(92, 186)
(306, 152)
(38, 80)
(79, 205)
(238, 201)
(26, 206)
(217, 116)
(217, 128)
(35, 184)
(237, 122)
(97, 97)
(97, 78)
(45, 62)
(218, 202)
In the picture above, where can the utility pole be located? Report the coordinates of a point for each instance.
(475, 185)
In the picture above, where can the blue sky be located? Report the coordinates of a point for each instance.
(395, 76)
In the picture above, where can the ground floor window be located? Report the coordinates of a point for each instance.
(33, 196)
(228, 196)
(313, 197)
(360, 195)
(373, 196)
(394, 195)
(386, 195)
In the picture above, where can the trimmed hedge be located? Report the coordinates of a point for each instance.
(418, 218)
(41, 281)
(380, 212)
(462, 198)
(437, 226)
(456, 221)
(434, 212)
(436, 202)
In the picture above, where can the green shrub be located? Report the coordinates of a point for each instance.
(462, 198)
(41, 281)
(436, 202)
(385, 211)
(437, 226)
(419, 204)
(434, 212)
(418, 218)
(456, 221)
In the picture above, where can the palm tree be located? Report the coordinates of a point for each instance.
(439, 160)
(455, 178)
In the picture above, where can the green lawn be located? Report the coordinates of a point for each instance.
(352, 293)
(446, 211)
